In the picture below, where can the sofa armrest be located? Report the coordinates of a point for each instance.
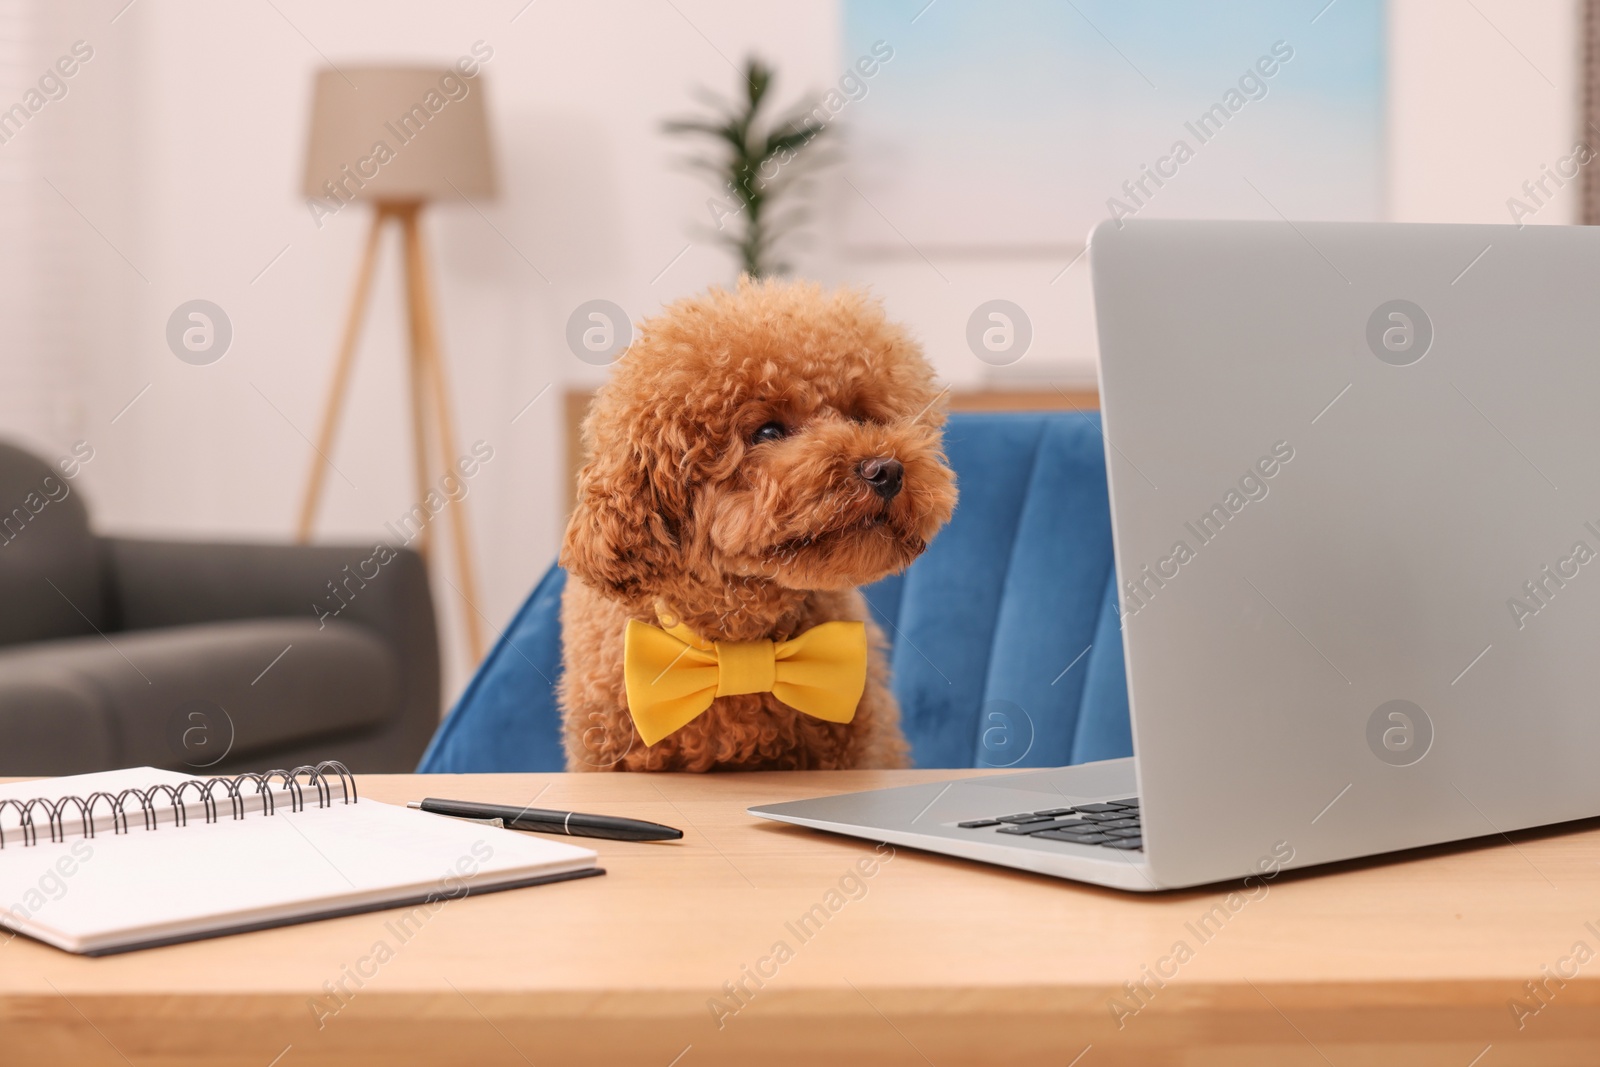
(155, 584)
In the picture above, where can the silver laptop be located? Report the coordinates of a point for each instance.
(1355, 496)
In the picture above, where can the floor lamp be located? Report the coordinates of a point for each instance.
(398, 138)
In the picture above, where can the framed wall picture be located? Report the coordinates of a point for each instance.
(1016, 127)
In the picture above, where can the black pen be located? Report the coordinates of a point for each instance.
(544, 821)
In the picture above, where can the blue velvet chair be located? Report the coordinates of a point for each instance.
(1004, 636)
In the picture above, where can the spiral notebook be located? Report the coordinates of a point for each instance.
(103, 863)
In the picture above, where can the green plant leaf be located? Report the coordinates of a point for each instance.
(777, 142)
(741, 165)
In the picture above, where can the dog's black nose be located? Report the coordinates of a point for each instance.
(883, 475)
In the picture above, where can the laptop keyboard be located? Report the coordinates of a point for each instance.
(1111, 823)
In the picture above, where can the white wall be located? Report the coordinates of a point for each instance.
(180, 147)
(42, 358)
(1481, 95)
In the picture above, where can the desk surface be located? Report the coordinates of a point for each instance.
(928, 961)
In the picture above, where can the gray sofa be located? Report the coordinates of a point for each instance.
(120, 652)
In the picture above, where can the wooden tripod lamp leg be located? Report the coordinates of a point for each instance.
(426, 339)
(426, 377)
(341, 377)
(421, 338)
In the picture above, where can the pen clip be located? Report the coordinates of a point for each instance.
(497, 822)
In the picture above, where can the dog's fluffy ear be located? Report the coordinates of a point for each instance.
(627, 524)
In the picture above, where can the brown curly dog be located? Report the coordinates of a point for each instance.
(755, 456)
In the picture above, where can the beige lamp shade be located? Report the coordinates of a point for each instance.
(398, 134)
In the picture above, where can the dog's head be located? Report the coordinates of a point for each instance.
(777, 432)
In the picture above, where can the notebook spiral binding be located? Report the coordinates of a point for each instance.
(59, 816)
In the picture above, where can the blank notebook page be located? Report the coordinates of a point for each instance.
(145, 887)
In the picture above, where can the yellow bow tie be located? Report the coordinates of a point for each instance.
(673, 675)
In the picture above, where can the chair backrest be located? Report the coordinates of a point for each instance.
(1007, 650)
(1005, 641)
(50, 563)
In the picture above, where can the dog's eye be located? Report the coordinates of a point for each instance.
(771, 431)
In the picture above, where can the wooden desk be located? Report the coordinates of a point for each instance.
(938, 962)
